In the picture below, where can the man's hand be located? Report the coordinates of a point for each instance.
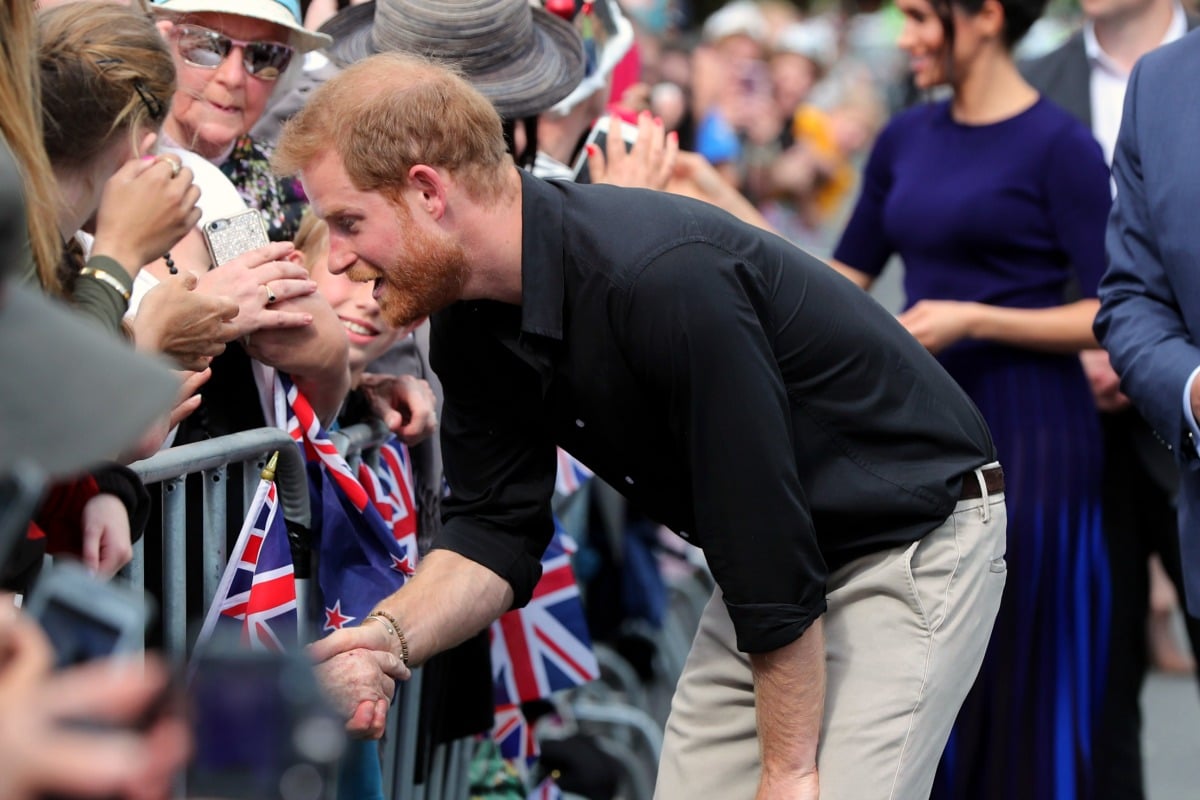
(405, 403)
(358, 670)
(792, 787)
(1105, 383)
(360, 684)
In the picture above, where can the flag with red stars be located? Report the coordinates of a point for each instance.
(360, 559)
(258, 589)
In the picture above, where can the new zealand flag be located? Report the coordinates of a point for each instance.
(360, 560)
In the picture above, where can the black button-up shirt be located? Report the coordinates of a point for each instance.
(731, 386)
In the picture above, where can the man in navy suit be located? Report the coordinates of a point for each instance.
(1087, 75)
(1149, 318)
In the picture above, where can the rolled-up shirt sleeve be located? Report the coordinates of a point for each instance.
(696, 337)
(499, 460)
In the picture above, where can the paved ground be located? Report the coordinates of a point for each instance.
(1171, 738)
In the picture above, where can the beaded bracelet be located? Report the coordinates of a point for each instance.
(393, 628)
(107, 279)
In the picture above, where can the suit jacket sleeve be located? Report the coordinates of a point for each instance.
(1140, 321)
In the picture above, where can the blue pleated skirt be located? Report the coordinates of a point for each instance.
(1026, 729)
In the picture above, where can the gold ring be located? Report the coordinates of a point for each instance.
(271, 298)
(176, 166)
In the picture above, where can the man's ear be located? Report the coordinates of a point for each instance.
(431, 186)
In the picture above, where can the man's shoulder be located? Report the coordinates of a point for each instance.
(1181, 54)
(1046, 67)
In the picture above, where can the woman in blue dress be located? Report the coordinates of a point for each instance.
(996, 201)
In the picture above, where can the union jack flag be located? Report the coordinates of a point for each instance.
(546, 790)
(390, 488)
(258, 588)
(572, 474)
(360, 559)
(514, 736)
(544, 647)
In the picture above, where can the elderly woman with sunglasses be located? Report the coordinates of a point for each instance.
(230, 56)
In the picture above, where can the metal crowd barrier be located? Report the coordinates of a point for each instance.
(166, 473)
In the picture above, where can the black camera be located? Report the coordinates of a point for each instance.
(261, 724)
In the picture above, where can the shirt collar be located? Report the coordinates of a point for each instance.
(1096, 54)
(542, 257)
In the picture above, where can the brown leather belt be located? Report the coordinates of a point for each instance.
(993, 479)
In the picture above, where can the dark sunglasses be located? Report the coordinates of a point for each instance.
(208, 49)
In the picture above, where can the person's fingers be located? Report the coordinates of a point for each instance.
(102, 763)
(192, 381)
(379, 725)
(26, 656)
(189, 280)
(274, 319)
(226, 308)
(166, 750)
(280, 270)
(362, 722)
(345, 640)
(670, 157)
(614, 145)
(190, 197)
(185, 176)
(90, 553)
(267, 254)
(597, 166)
(114, 555)
(184, 409)
(106, 690)
(291, 288)
(393, 667)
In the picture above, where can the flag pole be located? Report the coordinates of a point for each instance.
(260, 495)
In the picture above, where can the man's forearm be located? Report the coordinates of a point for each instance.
(789, 698)
(450, 599)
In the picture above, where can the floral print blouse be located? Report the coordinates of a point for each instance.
(281, 201)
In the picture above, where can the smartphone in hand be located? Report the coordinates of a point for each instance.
(229, 237)
(598, 136)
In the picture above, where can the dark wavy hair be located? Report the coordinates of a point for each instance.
(1019, 16)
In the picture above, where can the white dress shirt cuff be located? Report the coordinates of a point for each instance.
(1187, 405)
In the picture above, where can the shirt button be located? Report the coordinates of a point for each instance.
(578, 423)
(629, 480)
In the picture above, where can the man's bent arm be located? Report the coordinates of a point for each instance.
(789, 698)
(450, 599)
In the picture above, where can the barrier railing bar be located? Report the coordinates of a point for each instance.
(215, 499)
(174, 556)
(185, 459)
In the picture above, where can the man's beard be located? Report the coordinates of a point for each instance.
(427, 278)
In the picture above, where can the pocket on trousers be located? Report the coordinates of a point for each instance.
(931, 564)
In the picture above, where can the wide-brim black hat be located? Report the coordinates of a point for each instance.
(520, 57)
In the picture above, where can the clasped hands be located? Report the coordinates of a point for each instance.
(358, 669)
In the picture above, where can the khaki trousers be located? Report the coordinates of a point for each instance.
(905, 633)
